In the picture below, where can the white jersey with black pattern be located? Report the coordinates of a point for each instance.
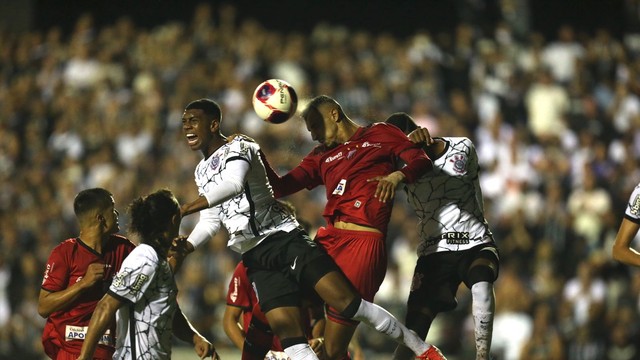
(632, 212)
(147, 283)
(252, 215)
(448, 201)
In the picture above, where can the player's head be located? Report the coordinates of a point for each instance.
(322, 115)
(403, 121)
(155, 219)
(200, 123)
(96, 207)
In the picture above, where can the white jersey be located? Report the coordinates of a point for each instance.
(632, 211)
(448, 201)
(144, 325)
(250, 216)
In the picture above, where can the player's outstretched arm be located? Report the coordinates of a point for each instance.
(102, 316)
(622, 250)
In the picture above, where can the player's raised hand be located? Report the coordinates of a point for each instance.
(95, 273)
(179, 250)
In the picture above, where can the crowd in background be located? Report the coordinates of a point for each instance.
(556, 122)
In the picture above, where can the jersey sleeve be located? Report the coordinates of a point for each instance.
(56, 273)
(239, 292)
(632, 211)
(237, 160)
(416, 160)
(302, 176)
(135, 275)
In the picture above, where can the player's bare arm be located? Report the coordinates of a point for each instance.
(100, 320)
(50, 302)
(622, 250)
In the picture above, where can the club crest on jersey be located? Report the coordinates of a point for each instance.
(416, 282)
(635, 206)
(215, 162)
(459, 163)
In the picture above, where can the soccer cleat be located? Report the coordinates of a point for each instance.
(433, 353)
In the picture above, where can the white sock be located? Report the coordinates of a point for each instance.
(482, 309)
(300, 352)
(381, 320)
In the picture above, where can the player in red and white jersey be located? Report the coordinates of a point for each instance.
(456, 243)
(77, 275)
(357, 211)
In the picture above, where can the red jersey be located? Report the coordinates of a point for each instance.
(241, 294)
(372, 151)
(66, 265)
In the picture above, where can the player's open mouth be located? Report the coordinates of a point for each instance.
(192, 138)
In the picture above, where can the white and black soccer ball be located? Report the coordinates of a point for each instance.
(275, 101)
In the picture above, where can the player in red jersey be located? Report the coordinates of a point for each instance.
(255, 338)
(357, 211)
(78, 273)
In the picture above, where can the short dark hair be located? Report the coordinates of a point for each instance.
(208, 106)
(91, 199)
(403, 121)
(152, 214)
(318, 101)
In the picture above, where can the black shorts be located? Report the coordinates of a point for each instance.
(437, 276)
(283, 266)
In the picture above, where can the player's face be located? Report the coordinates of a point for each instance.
(197, 129)
(322, 126)
(110, 215)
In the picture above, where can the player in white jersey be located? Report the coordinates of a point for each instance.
(281, 259)
(456, 243)
(144, 291)
(628, 230)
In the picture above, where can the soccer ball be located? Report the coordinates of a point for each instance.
(275, 101)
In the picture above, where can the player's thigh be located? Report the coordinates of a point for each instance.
(481, 264)
(435, 283)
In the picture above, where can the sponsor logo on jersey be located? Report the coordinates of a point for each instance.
(118, 280)
(635, 206)
(455, 238)
(73, 332)
(334, 157)
(368, 144)
(46, 272)
(140, 280)
(339, 190)
(234, 293)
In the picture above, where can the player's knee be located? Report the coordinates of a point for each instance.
(480, 273)
(352, 308)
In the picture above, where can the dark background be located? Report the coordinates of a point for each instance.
(400, 17)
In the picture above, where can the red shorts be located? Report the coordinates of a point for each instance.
(63, 355)
(361, 255)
